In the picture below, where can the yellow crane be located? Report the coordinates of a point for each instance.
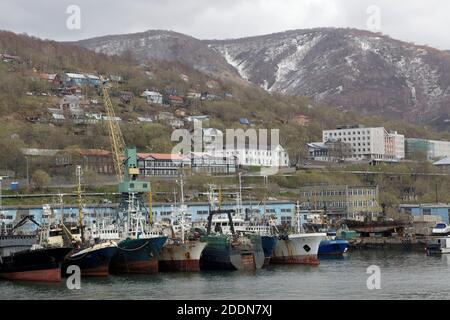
(115, 134)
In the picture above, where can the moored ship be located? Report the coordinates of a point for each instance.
(181, 256)
(230, 251)
(93, 260)
(42, 264)
(24, 257)
(298, 247)
(183, 250)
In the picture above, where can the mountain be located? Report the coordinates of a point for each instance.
(346, 68)
(164, 46)
(351, 68)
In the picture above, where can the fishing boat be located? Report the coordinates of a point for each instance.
(23, 257)
(91, 254)
(297, 247)
(138, 252)
(36, 264)
(183, 249)
(230, 251)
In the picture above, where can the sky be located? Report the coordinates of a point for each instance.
(424, 22)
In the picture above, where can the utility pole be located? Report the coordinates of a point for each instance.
(28, 175)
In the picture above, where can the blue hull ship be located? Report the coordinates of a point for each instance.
(139, 256)
(93, 261)
(268, 244)
(333, 247)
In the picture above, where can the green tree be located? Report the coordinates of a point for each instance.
(41, 179)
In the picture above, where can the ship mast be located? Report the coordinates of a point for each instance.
(80, 204)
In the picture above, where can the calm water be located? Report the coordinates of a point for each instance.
(404, 275)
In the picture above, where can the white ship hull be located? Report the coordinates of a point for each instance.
(181, 256)
(298, 249)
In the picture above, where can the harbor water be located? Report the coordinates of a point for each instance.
(404, 275)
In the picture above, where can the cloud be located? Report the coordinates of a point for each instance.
(423, 22)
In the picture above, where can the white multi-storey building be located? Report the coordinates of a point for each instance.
(254, 156)
(369, 143)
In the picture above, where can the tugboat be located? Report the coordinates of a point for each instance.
(183, 249)
(25, 257)
(297, 247)
(92, 255)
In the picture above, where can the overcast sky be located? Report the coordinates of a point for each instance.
(419, 21)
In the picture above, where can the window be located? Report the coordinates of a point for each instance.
(427, 212)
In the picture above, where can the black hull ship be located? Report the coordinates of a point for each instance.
(34, 265)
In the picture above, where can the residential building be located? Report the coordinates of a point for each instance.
(126, 96)
(93, 80)
(373, 144)
(302, 120)
(244, 121)
(199, 118)
(153, 97)
(75, 79)
(432, 149)
(443, 165)
(175, 101)
(341, 201)
(144, 119)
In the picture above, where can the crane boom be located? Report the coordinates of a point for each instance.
(115, 134)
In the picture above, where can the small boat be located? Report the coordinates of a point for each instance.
(333, 247)
(440, 246)
(441, 229)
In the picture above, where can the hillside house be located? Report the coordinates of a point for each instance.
(175, 101)
(9, 58)
(93, 80)
(244, 121)
(74, 79)
(153, 97)
(145, 119)
(49, 77)
(126, 96)
(302, 120)
(200, 118)
(193, 95)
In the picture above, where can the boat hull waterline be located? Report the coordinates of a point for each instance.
(93, 261)
(43, 265)
(181, 256)
(298, 249)
(137, 256)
